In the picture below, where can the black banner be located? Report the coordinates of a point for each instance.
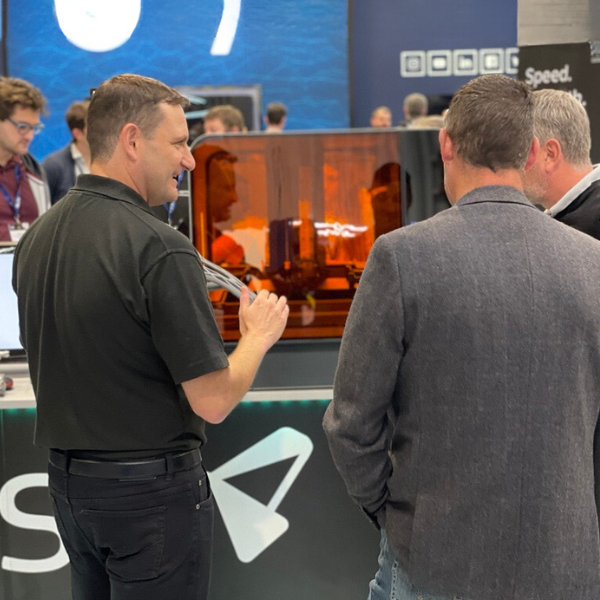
(284, 528)
(574, 68)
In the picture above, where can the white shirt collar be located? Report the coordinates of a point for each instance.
(80, 166)
(575, 192)
(76, 155)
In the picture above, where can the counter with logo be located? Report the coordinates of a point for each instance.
(295, 213)
(284, 526)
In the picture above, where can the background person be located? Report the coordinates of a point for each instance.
(414, 106)
(23, 188)
(385, 199)
(381, 117)
(224, 118)
(563, 179)
(126, 359)
(222, 195)
(275, 117)
(427, 122)
(64, 166)
(469, 432)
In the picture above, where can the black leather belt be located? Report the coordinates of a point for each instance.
(132, 469)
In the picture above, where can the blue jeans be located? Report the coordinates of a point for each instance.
(391, 583)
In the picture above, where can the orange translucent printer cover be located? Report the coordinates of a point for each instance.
(296, 213)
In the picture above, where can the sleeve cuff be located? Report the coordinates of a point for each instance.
(377, 519)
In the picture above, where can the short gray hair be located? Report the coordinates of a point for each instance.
(416, 105)
(559, 115)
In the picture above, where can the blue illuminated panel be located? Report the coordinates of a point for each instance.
(297, 51)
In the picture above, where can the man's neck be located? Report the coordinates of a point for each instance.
(113, 170)
(5, 157)
(84, 150)
(473, 177)
(566, 179)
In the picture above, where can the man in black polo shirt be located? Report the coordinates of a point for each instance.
(126, 359)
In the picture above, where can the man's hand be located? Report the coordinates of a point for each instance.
(264, 320)
(214, 395)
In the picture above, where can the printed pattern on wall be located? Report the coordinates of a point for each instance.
(297, 52)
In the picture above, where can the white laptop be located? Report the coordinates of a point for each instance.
(9, 318)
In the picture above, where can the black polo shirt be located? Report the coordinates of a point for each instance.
(114, 315)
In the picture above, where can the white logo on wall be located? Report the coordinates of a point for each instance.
(253, 526)
(227, 28)
(536, 77)
(104, 25)
(459, 63)
(98, 25)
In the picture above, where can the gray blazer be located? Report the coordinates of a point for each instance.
(466, 400)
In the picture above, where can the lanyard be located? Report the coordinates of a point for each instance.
(15, 204)
(170, 207)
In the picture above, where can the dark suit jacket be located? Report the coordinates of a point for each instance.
(60, 171)
(466, 400)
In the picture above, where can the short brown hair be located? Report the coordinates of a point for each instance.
(76, 115)
(490, 122)
(126, 99)
(229, 115)
(275, 112)
(18, 92)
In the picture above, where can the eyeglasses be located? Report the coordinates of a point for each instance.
(25, 128)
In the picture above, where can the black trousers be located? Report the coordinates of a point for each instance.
(147, 539)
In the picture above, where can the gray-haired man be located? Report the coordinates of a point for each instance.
(563, 179)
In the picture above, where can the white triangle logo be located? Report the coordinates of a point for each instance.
(253, 526)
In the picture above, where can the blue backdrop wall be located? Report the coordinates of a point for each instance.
(296, 49)
(431, 47)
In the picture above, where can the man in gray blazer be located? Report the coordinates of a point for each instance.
(468, 386)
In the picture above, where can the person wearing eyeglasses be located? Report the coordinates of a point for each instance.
(24, 193)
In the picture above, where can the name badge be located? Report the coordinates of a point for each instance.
(16, 231)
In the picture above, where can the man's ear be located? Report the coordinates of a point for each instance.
(130, 139)
(446, 146)
(77, 134)
(533, 153)
(554, 155)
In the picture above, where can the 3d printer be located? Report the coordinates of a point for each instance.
(297, 213)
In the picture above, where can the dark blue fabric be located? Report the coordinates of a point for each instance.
(60, 172)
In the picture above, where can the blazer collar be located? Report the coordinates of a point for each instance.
(504, 194)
